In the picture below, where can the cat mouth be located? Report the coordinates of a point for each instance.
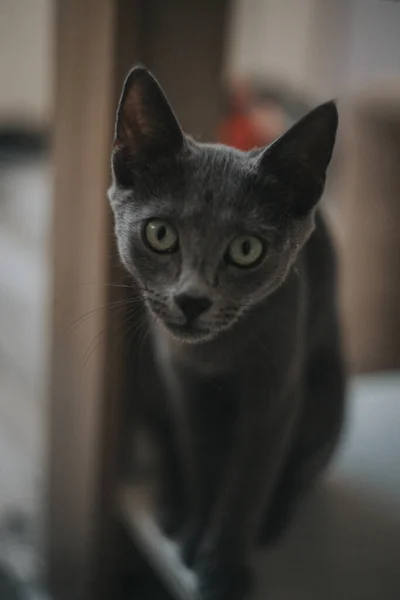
(190, 331)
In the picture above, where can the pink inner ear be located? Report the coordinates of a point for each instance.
(138, 122)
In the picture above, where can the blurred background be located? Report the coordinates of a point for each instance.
(236, 71)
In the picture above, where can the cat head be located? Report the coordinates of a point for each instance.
(208, 231)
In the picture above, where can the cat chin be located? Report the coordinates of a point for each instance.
(190, 336)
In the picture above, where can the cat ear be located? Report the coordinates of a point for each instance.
(300, 157)
(146, 124)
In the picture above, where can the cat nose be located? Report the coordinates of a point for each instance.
(192, 306)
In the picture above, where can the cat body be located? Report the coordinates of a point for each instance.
(236, 268)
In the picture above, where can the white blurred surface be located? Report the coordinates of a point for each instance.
(25, 213)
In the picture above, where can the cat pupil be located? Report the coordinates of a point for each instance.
(161, 233)
(246, 247)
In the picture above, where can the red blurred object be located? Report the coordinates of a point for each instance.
(250, 123)
(238, 130)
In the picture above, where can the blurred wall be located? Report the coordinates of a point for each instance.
(374, 45)
(25, 61)
(295, 41)
(324, 48)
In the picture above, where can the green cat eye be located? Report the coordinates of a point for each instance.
(245, 251)
(161, 236)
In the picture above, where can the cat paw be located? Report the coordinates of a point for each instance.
(190, 544)
(223, 581)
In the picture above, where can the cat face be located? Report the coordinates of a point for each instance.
(207, 231)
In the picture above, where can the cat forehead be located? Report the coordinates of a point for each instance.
(218, 164)
(216, 175)
(211, 202)
(224, 182)
(208, 185)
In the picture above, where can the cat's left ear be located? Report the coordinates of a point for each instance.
(301, 156)
(146, 124)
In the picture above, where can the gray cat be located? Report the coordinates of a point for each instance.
(237, 272)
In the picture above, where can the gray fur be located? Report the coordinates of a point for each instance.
(254, 387)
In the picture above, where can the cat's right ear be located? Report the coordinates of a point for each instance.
(301, 156)
(146, 125)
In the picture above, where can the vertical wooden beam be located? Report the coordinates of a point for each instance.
(84, 101)
(370, 240)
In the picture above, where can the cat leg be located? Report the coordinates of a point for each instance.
(318, 433)
(297, 479)
(222, 558)
(211, 452)
(171, 504)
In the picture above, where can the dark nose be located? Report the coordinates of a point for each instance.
(192, 306)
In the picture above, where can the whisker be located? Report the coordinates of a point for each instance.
(111, 305)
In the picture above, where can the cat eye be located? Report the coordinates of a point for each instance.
(245, 251)
(161, 236)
